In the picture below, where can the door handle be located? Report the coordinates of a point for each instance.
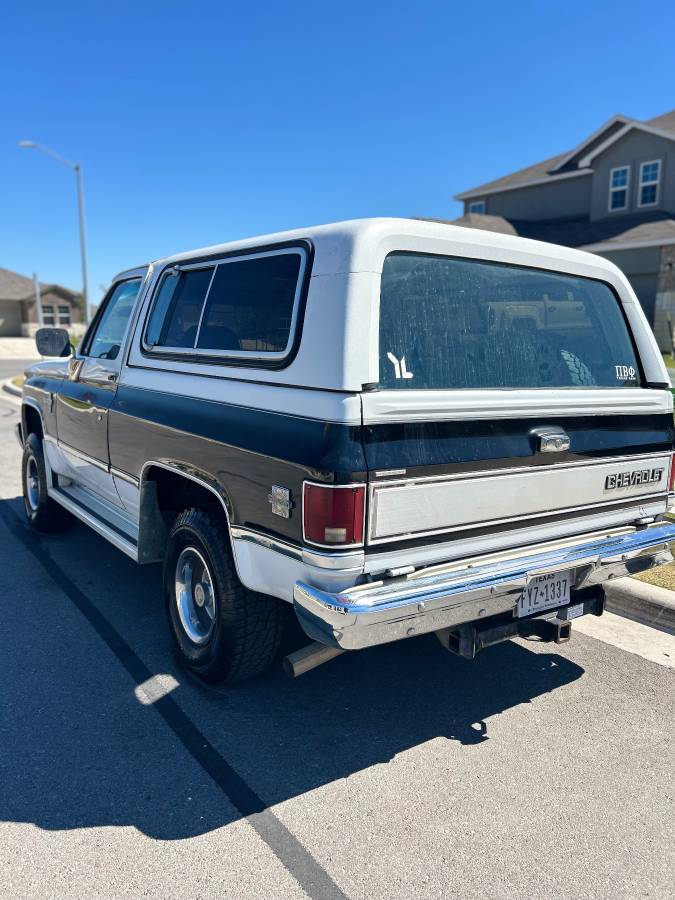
(103, 378)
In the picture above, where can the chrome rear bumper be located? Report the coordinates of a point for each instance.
(447, 595)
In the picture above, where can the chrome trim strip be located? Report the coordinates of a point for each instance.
(203, 309)
(445, 596)
(83, 456)
(124, 476)
(344, 561)
(516, 470)
(95, 523)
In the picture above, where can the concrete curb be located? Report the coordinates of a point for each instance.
(642, 602)
(10, 388)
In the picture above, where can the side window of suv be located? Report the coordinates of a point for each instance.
(239, 306)
(106, 341)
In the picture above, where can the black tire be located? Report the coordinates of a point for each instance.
(43, 513)
(243, 629)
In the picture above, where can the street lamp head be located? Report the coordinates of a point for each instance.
(26, 143)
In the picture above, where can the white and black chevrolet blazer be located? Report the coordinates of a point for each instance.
(396, 426)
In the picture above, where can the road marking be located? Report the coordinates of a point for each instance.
(309, 874)
(649, 643)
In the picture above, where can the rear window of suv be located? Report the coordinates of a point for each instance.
(450, 323)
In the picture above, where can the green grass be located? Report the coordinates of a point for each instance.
(661, 576)
(669, 360)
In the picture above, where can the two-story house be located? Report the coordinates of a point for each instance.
(614, 195)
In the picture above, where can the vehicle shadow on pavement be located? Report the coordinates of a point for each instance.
(79, 750)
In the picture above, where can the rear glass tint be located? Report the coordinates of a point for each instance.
(454, 323)
(250, 305)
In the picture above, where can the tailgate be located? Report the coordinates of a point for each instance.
(428, 478)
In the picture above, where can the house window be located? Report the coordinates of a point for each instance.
(478, 206)
(48, 315)
(648, 188)
(64, 315)
(618, 188)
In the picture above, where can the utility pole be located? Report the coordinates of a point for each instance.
(38, 299)
(77, 168)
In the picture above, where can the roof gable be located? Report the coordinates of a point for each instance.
(622, 132)
(576, 162)
(18, 287)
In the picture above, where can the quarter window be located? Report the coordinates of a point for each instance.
(250, 305)
(239, 306)
(618, 188)
(175, 317)
(648, 187)
(48, 315)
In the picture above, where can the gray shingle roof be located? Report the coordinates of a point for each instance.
(666, 122)
(530, 173)
(541, 170)
(18, 287)
(582, 232)
(477, 220)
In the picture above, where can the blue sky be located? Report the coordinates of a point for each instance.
(198, 123)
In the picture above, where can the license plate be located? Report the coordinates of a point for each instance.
(545, 592)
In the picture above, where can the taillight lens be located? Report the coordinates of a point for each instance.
(334, 515)
(671, 486)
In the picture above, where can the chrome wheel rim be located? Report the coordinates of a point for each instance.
(32, 483)
(195, 597)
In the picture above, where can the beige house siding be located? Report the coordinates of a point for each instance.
(664, 317)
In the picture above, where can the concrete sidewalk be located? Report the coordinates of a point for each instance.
(18, 348)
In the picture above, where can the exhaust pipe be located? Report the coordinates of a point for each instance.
(309, 657)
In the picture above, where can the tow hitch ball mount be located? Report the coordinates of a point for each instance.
(467, 640)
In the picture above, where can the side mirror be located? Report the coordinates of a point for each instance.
(52, 342)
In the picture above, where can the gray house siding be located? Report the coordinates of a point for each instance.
(575, 211)
(566, 198)
(641, 267)
(636, 147)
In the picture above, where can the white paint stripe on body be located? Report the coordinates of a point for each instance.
(649, 643)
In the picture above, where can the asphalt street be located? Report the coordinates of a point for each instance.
(535, 771)
(11, 367)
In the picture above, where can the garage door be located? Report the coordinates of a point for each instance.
(10, 319)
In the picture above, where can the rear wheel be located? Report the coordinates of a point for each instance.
(223, 632)
(43, 513)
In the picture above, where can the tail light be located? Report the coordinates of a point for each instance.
(333, 515)
(671, 483)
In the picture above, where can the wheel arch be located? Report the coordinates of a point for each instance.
(165, 489)
(31, 419)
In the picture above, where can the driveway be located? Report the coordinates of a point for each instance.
(397, 772)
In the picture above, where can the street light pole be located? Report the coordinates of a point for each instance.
(83, 242)
(77, 168)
